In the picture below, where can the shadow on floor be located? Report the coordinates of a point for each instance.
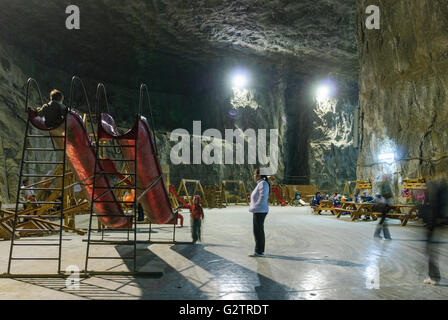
(341, 263)
(234, 278)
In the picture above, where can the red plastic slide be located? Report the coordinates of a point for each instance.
(151, 190)
(277, 193)
(81, 156)
(174, 193)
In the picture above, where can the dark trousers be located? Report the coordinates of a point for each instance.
(196, 229)
(382, 225)
(259, 231)
(433, 265)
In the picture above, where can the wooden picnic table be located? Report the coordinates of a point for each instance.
(356, 209)
(399, 212)
(324, 205)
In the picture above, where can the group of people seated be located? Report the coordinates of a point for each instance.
(338, 198)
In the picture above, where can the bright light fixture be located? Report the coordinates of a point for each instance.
(323, 92)
(387, 157)
(239, 79)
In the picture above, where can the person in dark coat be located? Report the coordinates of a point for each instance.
(435, 213)
(53, 112)
(382, 205)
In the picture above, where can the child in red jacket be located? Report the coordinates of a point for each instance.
(197, 214)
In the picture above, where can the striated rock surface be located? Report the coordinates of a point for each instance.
(403, 90)
(214, 109)
(185, 51)
(332, 155)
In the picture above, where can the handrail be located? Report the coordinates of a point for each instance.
(101, 85)
(102, 88)
(28, 83)
(72, 85)
(145, 88)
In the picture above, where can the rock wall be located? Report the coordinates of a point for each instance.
(403, 90)
(332, 156)
(218, 107)
(320, 134)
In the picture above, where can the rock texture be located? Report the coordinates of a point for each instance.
(185, 50)
(332, 155)
(171, 111)
(320, 134)
(311, 34)
(403, 89)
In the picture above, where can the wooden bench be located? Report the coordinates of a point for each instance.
(339, 211)
(325, 205)
(404, 217)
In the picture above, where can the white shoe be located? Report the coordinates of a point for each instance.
(430, 282)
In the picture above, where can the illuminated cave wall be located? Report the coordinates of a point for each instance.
(403, 90)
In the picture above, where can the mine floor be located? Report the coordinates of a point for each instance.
(307, 257)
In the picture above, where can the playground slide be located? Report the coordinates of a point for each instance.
(81, 156)
(151, 190)
(277, 194)
(185, 205)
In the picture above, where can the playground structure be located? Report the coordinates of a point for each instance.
(241, 196)
(285, 194)
(186, 196)
(83, 162)
(414, 193)
(360, 185)
(414, 184)
(214, 196)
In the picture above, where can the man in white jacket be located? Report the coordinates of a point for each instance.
(259, 207)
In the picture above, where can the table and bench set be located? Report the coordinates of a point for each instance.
(403, 212)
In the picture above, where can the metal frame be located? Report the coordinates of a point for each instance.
(135, 203)
(19, 189)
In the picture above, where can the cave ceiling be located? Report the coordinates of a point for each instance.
(136, 37)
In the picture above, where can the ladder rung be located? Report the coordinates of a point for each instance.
(42, 162)
(126, 146)
(34, 258)
(115, 188)
(111, 229)
(42, 175)
(106, 258)
(43, 149)
(31, 216)
(49, 189)
(41, 136)
(36, 244)
(105, 201)
(93, 242)
(108, 215)
(40, 202)
(122, 173)
(36, 230)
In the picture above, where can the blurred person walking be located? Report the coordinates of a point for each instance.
(382, 205)
(435, 212)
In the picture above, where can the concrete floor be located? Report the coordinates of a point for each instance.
(307, 257)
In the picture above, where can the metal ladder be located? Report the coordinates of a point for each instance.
(22, 175)
(99, 147)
